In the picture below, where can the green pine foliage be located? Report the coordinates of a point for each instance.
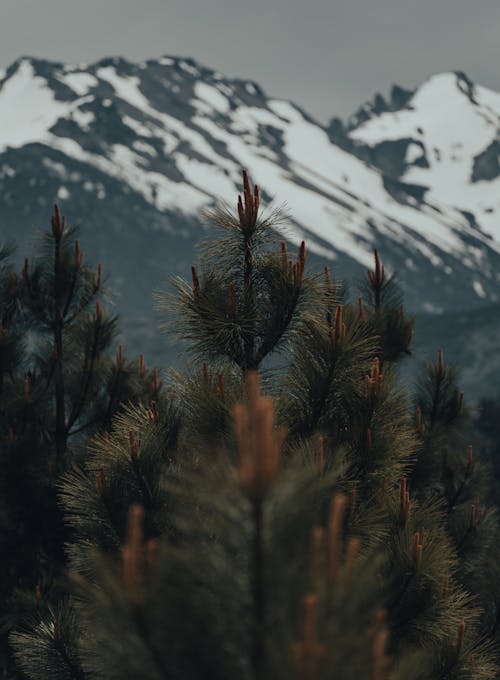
(450, 468)
(59, 384)
(278, 511)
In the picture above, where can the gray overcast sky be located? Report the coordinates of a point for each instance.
(327, 55)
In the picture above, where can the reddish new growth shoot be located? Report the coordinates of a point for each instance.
(302, 257)
(377, 276)
(328, 548)
(100, 480)
(380, 659)
(440, 367)
(361, 309)
(337, 333)
(119, 358)
(474, 514)
(351, 555)
(196, 282)
(319, 558)
(461, 635)
(334, 536)
(98, 279)
(375, 379)
(259, 443)
(419, 421)
(133, 445)
(57, 224)
(78, 255)
(156, 384)
(296, 269)
(25, 270)
(404, 500)
(248, 207)
(153, 413)
(328, 282)
(221, 393)
(98, 311)
(308, 653)
(137, 557)
(417, 547)
(142, 366)
(284, 256)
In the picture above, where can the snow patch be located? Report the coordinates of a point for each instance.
(80, 83)
(7, 171)
(284, 110)
(212, 181)
(138, 127)
(55, 166)
(83, 118)
(28, 108)
(192, 70)
(143, 147)
(413, 153)
(432, 308)
(124, 164)
(212, 96)
(479, 289)
(126, 87)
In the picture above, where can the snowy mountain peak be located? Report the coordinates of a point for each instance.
(416, 176)
(444, 140)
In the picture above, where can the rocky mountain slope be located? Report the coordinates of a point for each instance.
(134, 152)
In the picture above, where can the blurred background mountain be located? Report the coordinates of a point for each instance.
(134, 152)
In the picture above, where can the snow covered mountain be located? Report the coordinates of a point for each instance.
(135, 151)
(139, 149)
(440, 144)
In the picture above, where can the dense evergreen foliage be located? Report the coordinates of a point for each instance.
(58, 385)
(283, 509)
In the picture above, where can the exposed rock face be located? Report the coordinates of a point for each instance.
(487, 164)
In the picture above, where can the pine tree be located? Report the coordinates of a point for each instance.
(278, 512)
(451, 468)
(58, 386)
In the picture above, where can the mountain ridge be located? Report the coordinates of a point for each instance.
(136, 151)
(178, 132)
